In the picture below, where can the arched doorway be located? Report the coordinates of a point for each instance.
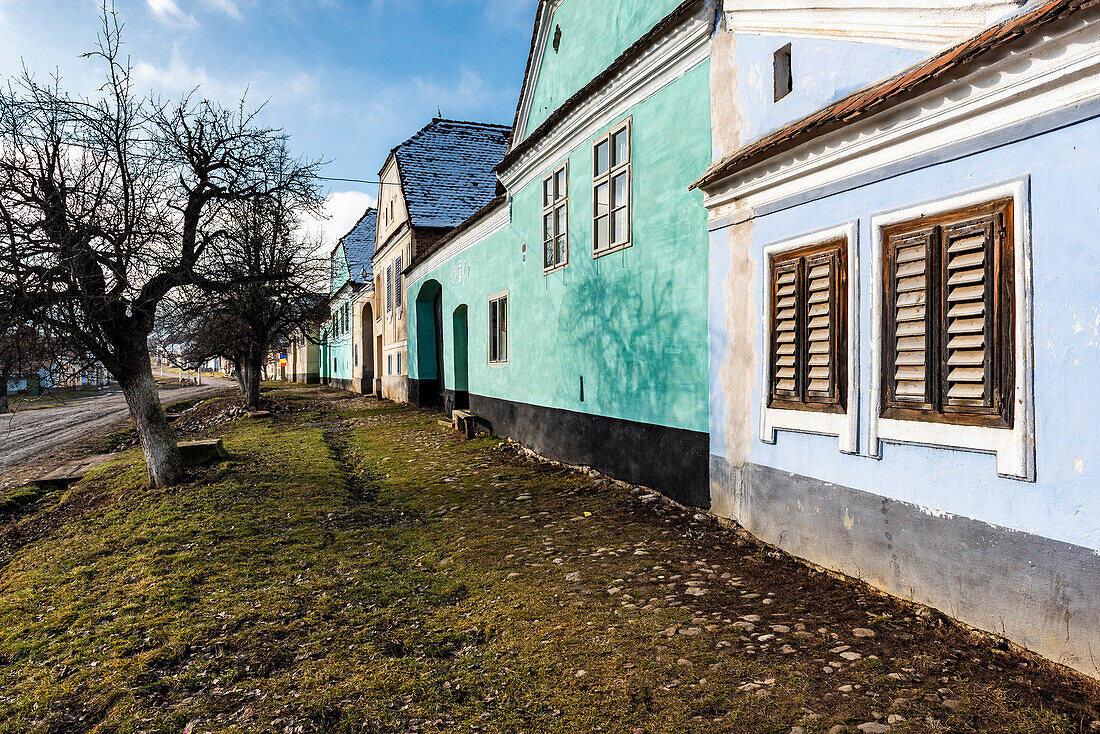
(461, 359)
(366, 359)
(427, 384)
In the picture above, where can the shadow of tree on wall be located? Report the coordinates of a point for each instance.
(637, 342)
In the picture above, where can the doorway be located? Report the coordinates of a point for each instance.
(460, 330)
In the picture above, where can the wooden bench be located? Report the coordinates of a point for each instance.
(198, 453)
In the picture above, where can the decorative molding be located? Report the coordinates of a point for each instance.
(927, 26)
(845, 426)
(670, 57)
(538, 50)
(1055, 72)
(1014, 447)
(491, 223)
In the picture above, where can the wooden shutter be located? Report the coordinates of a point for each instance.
(825, 316)
(908, 321)
(808, 328)
(969, 314)
(785, 377)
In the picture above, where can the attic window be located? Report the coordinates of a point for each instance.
(781, 67)
(557, 38)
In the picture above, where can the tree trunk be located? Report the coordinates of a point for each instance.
(251, 369)
(4, 392)
(162, 456)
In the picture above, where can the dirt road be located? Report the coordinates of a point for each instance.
(33, 441)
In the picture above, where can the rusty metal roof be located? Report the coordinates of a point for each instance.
(910, 83)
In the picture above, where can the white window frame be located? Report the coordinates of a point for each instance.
(489, 322)
(845, 426)
(1014, 447)
(613, 171)
(558, 202)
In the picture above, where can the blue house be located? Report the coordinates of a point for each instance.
(903, 303)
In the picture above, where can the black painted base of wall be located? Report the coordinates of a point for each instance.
(424, 393)
(455, 400)
(671, 460)
(307, 378)
(345, 385)
(1037, 592)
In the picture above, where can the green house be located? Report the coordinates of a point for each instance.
(571, 312)
(350, 277)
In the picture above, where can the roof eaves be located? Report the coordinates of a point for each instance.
(872, 100)
(456, 231)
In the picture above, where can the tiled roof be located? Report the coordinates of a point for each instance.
(910, 83)
(359, 246)
(447, 170)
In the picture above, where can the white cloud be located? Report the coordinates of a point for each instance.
(229, 7)
(167, 11)
(342, 209)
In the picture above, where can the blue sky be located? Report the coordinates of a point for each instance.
(348, 79)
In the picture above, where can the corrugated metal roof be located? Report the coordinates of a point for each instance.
(910, 83)
(447, 170)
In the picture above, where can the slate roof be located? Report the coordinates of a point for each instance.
(447, 170)
(910, 83)
(359, 246)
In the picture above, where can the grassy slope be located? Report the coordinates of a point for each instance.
(388, 579)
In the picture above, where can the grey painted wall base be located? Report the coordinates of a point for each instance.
(1042, 594)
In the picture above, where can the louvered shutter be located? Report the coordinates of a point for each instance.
(785, 334)
(824, 321)
(969, 310)
(909, 325)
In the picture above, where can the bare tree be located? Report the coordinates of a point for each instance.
(109, 203)
(274, 291)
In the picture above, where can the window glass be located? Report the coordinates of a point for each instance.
(621, 141)
(561, 190)
(601, 158)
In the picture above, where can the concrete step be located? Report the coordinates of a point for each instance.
(72, 472)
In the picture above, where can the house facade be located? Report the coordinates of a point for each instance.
(570, 312)
(430, 184)
(902, 302)
(342, 362)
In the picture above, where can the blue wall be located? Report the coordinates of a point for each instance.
(1063, 504)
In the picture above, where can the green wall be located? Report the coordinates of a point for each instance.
(593, 34)
(633, 323)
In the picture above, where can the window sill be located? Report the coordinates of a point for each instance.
(498, 364)
(1014, 461)
(597, 254)
(556, 268)
(841, 425)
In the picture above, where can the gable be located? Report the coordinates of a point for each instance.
(338, 269)
(593, 34)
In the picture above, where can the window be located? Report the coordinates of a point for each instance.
(397, 287)
(783, 79)
(947, 319)
(808, 356)
(611, 190)
(389, 288)
(399, 363)
(498, 329)
(389, 364)
(355, 352)
(555, 219)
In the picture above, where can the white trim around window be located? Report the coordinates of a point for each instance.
(1014, 447)
(555, 219)
(497, 343)
(613, 171)
(845, 426)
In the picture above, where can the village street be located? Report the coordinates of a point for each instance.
(35, 441)
(355, 566)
